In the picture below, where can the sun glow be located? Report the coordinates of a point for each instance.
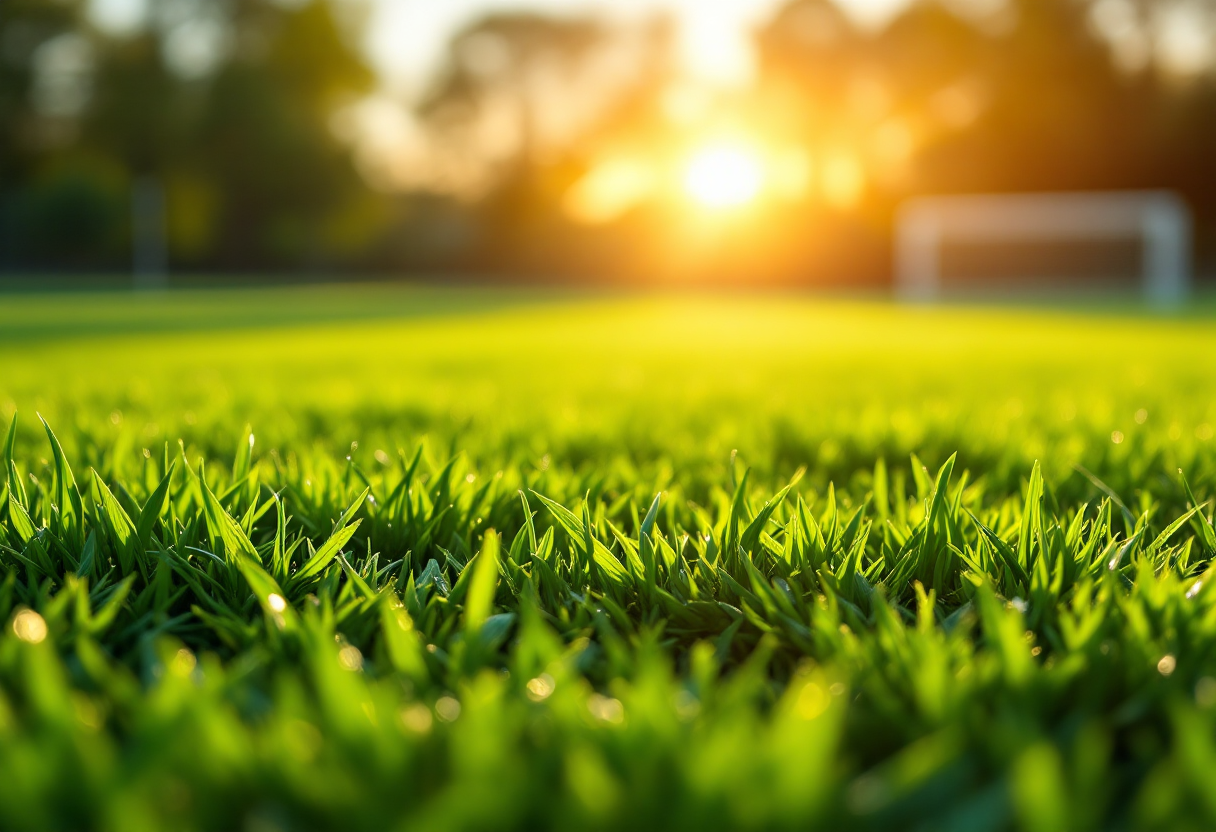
(724, 177)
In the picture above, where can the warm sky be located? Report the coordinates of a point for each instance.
(407, 36)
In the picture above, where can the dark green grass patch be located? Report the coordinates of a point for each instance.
(503, 571)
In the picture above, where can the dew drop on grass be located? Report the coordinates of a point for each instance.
(30, 627)
(606, 709)
(350, 658)
(447, 709)
(416, 718)
(813, 700)
(183, 663)
(540, 688)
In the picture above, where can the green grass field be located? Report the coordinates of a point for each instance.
(394, 558)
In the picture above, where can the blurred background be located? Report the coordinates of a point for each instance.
(652, 142)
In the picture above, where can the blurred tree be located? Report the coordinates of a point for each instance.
(518, 109)
(43, 59)
(508, 85)
(1013, 96)
(229, 105)
(1048, 101)
(264, 139)
(27, 29)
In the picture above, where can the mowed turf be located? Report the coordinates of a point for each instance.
(401, 558)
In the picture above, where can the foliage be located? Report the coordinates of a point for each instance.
(260, 121)
(626, 637)
(228, 107)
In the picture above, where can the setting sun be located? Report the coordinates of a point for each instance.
(724, 177)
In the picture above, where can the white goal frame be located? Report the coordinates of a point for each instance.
(1159, 218)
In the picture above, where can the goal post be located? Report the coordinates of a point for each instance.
(1158, 218)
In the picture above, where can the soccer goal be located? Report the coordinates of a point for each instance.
(996, 228)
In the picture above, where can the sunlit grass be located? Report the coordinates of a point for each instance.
(756, 561)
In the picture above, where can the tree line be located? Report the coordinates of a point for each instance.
(229, 109)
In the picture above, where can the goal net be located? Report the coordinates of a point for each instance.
(1039, 241)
